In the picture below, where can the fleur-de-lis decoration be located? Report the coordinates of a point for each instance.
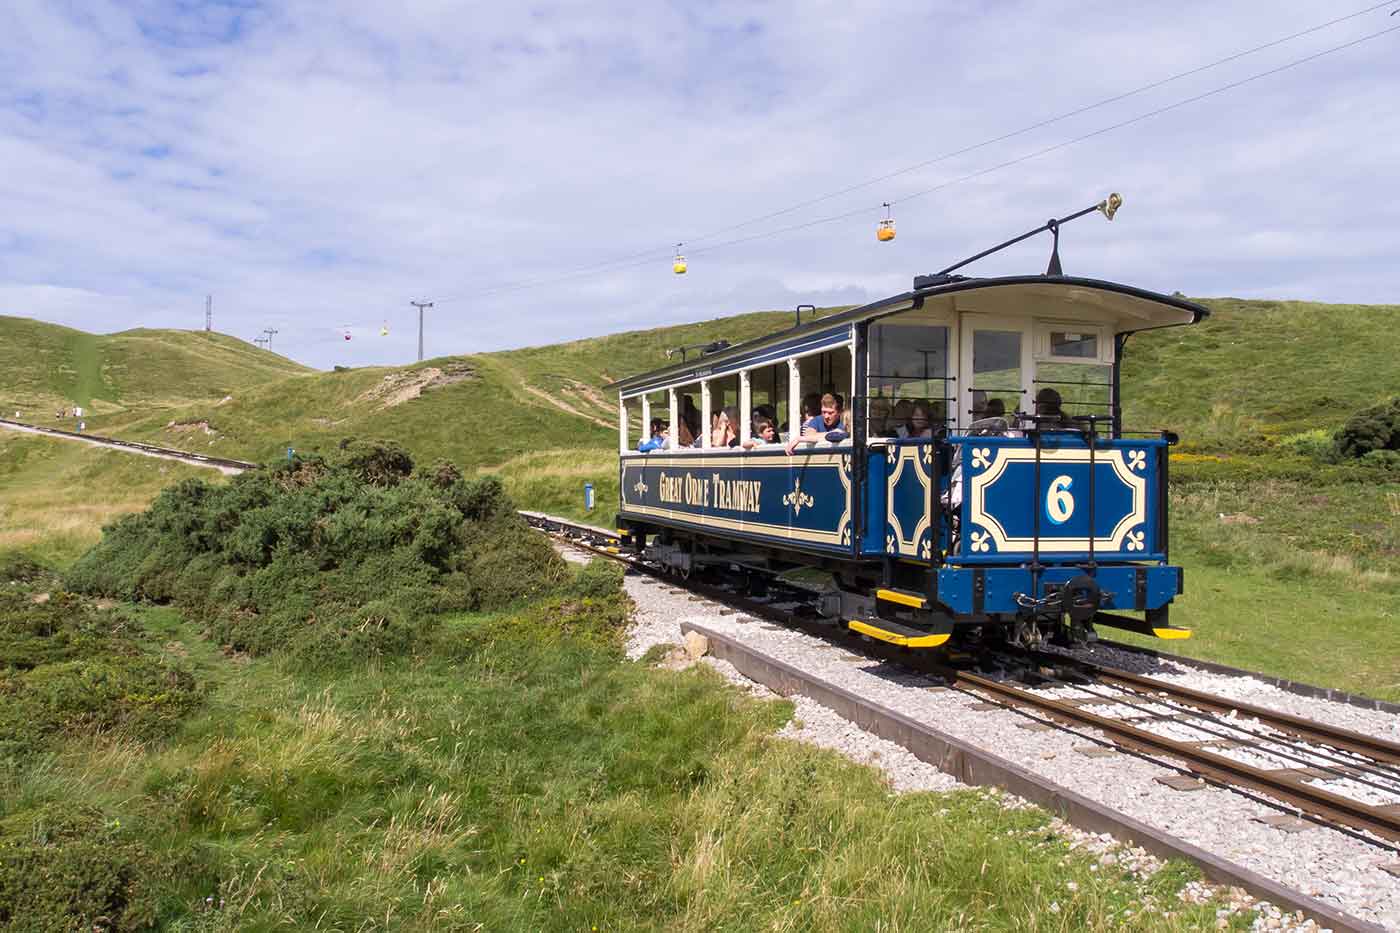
(641, 487)
(927, 453)
(889, 544)
(1137, 459)
(925, 548)
(981, 457)
(1135, 541)
(797, 498)
(889, 455)
(981, 541)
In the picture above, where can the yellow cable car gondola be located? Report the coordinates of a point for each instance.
(384, 329)
(678, 264)
(885, 232)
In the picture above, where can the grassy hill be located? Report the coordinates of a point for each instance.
(47, 366)
(1255, 393)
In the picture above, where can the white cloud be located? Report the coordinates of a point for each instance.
(313, 170)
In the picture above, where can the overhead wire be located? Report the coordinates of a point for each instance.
(648, 256)
(1052, 148)
(1153, 85)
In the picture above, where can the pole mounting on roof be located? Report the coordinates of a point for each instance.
(1108, 207)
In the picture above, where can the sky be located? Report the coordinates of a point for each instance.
(529, 167)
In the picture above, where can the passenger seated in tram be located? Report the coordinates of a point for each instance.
(1048, 414)
(826, 426)
(878, 423)
(899, 418)
(657, 440)
(763, 433)
(723, 432)
(920, 425)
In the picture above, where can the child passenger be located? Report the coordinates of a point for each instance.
(764, 433)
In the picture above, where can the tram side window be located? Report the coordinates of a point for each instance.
(634, 430)
(686, 432)
(724, 411)
(657, 428)
(823, 374)
(996, 374)
(768, 394)
(910, 393)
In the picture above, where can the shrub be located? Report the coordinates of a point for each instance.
(66, 868)
(20, 568)
(326, 559)
(1317, 444)
(1370, 429)
(67, 668)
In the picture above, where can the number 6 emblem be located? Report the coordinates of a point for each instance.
(1059, 504)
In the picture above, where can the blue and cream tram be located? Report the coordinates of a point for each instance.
(953, 502)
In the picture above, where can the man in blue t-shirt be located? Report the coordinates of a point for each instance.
(825, 426)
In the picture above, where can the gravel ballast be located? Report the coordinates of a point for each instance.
(1328, 865)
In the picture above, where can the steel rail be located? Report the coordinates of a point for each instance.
(1311, 800)
(1295, 687)
(104, 441)
(1334, 736)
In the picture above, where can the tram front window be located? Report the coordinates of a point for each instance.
(908, 384)
(996, 372)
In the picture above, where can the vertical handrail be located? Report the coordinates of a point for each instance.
(1035, 512)
(1093, 437)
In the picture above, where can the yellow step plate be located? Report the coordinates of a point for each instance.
(1172, 633)
(904, 598)
(925, 640)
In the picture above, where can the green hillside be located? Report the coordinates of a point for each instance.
(47, 366)
(1260, 508)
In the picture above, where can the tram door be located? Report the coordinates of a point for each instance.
(993, 365)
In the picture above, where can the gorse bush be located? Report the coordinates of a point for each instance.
(65, 868)
(1372, 429)
(67, 668)
(326, 559)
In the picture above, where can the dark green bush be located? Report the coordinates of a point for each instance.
(599, 578)
(326, 559)
(20, 568)
(1370, 429)
(64, 868)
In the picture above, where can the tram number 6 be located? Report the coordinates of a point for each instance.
(1059, 504)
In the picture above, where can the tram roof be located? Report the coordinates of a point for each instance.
(1133, 306)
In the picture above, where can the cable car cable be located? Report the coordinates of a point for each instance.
(865, 210)
(1043, 123)
(655, 252)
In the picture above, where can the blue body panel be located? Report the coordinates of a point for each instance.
(801, 501)
(806, 502)
(1002, 502)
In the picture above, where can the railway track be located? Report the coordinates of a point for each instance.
(1298, 767)
(219, 463)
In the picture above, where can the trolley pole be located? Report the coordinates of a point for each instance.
(420, 305)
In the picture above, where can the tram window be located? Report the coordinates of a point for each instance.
(768, 391)
(996, 370)
(724, 396)
(823, 373)
(1085, 389)
(687, 431)
(908, 380)
(636, 430)
(1074, 344)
